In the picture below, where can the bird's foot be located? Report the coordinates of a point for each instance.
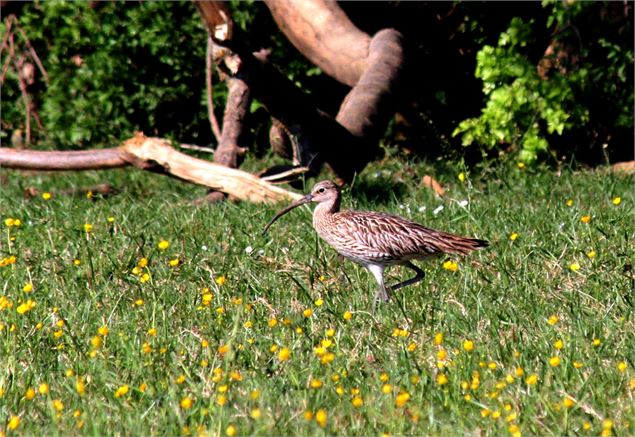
(382, 294)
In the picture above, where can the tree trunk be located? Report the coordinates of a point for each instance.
(321, 28)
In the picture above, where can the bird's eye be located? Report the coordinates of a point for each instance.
(321, 190)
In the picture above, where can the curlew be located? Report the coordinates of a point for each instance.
(377, 240)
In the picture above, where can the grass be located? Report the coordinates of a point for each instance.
(273, 335)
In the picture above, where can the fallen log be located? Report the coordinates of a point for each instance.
(156, 155)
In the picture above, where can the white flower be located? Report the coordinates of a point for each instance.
(463, 203)
(249, 249)
(438, 209)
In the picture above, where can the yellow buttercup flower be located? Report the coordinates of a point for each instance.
(451, 265)
(532, 379)
(186, 403)
(284, 354)
(402, 398)
(316, 383)
(43, 388)
(321, 417)
(468, 345)
(80, 386)
(26, 307)
(57, 404)
(122, 391)
(13, 422)
(438, 338)
(163, 244)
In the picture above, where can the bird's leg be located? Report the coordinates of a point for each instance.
(378, 272)
(419, 277)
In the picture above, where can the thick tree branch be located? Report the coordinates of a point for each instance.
(369, 106)
(236, 110)
(325, 35)
(322, 32)
(98, 159)
(210, 98)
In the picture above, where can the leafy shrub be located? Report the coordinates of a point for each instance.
(114, 69)
(528, 107)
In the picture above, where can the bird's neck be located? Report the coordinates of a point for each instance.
(324, 210)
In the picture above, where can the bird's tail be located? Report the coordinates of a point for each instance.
(464, 245)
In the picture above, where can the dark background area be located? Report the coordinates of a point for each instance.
(119, 67)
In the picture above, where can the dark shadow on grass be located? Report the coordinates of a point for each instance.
(377, 190)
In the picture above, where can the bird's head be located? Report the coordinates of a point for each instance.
(323, 191)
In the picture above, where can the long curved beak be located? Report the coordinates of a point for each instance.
(305, 199)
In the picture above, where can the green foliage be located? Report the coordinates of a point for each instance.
(115, 69)
(526, 108)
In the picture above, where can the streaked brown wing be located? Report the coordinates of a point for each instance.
(385, 237)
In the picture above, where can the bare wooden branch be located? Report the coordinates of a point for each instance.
(98, 159)
(197, 148)
(156, 155)
(25, 97)
(284, 175)
(210, 101)
(33, 53)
